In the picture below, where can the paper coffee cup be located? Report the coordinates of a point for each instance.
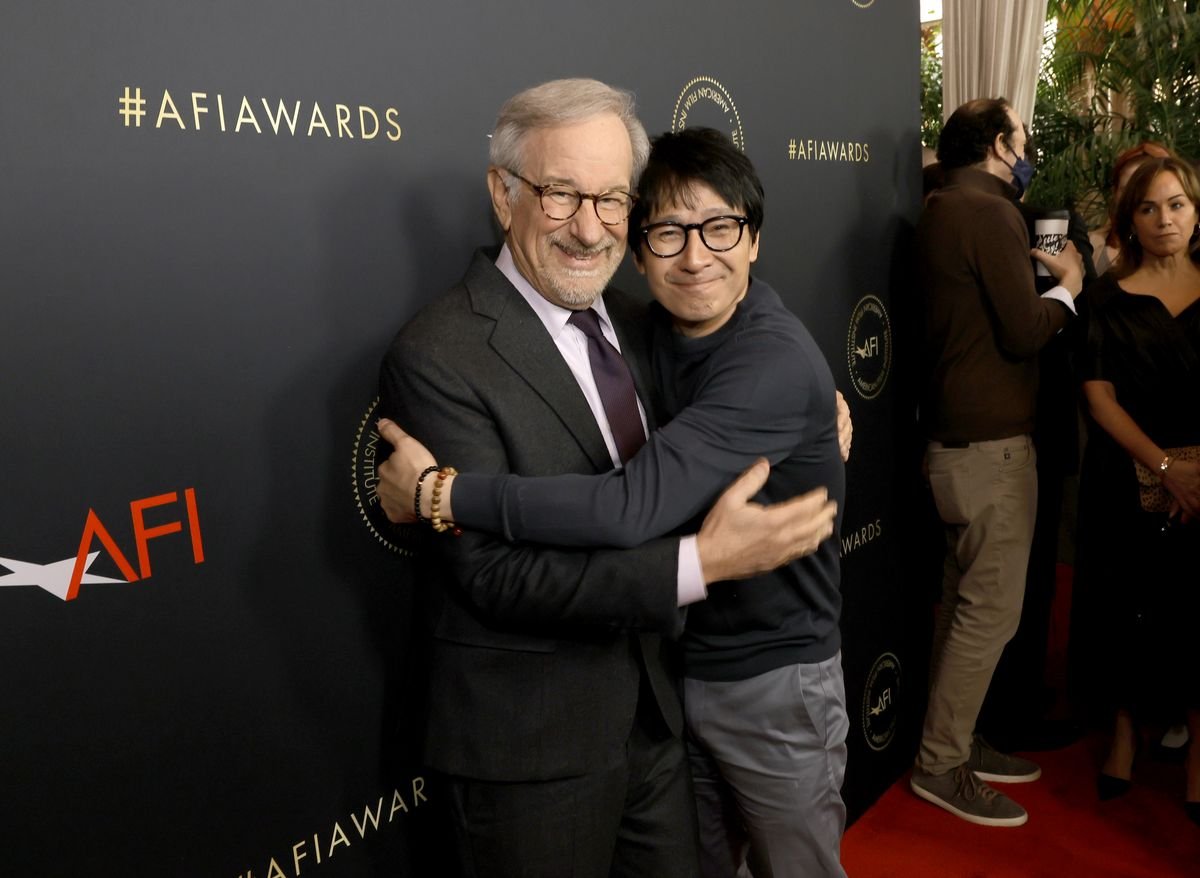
(1050, 235)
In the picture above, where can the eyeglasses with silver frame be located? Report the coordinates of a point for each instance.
(717, 233)
(561, 202)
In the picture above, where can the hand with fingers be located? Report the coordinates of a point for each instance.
(1066, 266)
(1182, 479)
(740, 538)
(398, 474)
(845, 427)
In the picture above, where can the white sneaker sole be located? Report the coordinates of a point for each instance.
(1019, 820)
(1008, 778)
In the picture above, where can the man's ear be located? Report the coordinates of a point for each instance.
(500, 203)
(999, 147)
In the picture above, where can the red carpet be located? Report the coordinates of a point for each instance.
(1144, 834)
(1070, 834)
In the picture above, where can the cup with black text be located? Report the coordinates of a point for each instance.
(1050, 235)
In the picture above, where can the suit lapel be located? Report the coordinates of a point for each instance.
(520, 339)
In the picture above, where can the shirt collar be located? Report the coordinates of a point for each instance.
(554, 317)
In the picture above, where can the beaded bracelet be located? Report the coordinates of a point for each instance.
(435, 507)
(421, 519)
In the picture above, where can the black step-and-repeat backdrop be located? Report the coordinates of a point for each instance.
(213, 216)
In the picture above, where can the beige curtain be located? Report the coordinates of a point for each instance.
(991, 48)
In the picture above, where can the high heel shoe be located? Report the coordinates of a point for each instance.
(1109, 787)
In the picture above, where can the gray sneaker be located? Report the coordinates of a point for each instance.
(963, 794)
(992, 765)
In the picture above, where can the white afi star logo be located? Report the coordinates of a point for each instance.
(54, 577)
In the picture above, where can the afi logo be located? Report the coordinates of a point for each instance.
(884, 702)
(869, 349)
(63, 578)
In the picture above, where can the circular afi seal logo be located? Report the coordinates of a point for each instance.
(369, 448)
(879, 712)
(869, 347)
(705, 102)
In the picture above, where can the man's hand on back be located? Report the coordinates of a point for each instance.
(399, 473)
(845, 426)
(740, 539)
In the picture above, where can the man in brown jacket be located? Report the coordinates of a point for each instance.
(984, 326)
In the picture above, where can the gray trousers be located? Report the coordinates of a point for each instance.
(768, 756)
(986, 495)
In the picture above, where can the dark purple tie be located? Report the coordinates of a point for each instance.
(615, 385)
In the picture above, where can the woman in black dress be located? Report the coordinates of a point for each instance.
(1141, 380)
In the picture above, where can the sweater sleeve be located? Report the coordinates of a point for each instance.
(759, 399)
(1023, 321)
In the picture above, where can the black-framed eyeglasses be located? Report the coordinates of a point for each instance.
(561, 202)
(718, 233)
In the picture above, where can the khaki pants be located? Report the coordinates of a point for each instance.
(986, 495)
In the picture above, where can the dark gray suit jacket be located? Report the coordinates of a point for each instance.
(536, 655)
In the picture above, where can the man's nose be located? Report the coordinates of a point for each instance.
(695, 251)
(586, 225)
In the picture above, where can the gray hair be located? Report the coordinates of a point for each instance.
(556, 103)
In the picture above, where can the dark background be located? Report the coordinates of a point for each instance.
(206, 309)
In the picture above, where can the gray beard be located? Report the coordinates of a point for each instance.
(583, 289)
(582, 294)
